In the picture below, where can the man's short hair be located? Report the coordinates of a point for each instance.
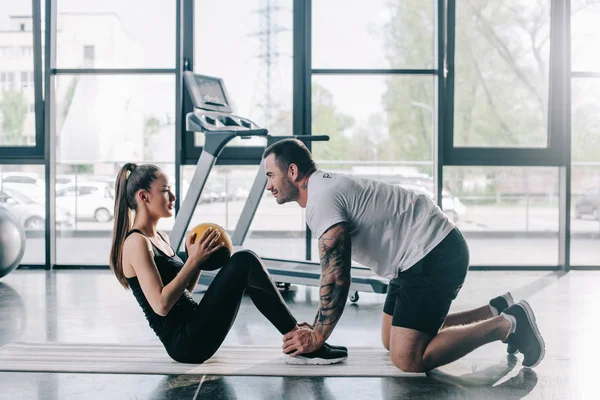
(292, 151)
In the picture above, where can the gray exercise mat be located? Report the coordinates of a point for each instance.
(152, 359)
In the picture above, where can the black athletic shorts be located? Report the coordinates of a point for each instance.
(420, 297)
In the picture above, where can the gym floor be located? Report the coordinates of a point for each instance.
(90, 307)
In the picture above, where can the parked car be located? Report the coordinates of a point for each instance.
(588, 204)
(31, 213)
(451, 205)
(88, 199)
(27, 183)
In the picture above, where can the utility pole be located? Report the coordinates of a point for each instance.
(268, 32)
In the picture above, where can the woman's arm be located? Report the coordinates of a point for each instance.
(194, 280)
(137, 252)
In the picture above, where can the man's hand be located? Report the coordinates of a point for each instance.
(301, 341)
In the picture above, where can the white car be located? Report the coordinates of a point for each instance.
(89, 200)
(26, 183)
(451, 205)
(31, 213)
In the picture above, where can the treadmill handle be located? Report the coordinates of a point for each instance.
(252, 132)
(312, 138)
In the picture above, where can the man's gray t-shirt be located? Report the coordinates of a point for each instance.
(391, 228)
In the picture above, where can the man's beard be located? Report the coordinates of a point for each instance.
(287, 193)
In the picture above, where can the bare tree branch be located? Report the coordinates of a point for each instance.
(506, 54)
(490, 101)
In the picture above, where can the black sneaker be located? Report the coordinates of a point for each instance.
(325, 355)
(500, 304)
(527, 335)
(336, 347)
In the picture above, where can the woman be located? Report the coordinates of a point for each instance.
(143, 260)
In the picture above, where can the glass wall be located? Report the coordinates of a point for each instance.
(381, 125)
(22, 193)
(354, 34)
(501, 83)
(585, 35)
(132, 121)
(102, 120)
(252, 53)
(374, 90)
(585, 126)
(509, 215)
(17, 98)
(115, 34)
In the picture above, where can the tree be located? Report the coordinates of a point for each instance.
(408, 100)
(151, 127)
(14, 110)
(79, 169)
(370, 142)
(501, 80)
(326, 120)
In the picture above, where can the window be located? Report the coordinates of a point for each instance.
(501, 74)
(115, 35)
(585, 35)
(258, 37)
(585, 172)
(22, 197)
(374, 34)
(393, 121)
(26, 50)
(88, 56)
(7, 80)
(509, 215)
(17, 123)
(133, 120)
(27, 79)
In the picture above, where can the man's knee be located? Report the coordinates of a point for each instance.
(386, 342)
(386, 327)
(410, 362)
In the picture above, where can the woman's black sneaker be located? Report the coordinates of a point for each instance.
(325, 355)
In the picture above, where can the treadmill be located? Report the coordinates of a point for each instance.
(212, 116)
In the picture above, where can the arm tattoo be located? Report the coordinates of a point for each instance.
(335, 254)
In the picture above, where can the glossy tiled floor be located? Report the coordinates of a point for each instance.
(89, 306)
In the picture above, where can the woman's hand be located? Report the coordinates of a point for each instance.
(199, 250)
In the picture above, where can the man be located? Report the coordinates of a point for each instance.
(399, 235)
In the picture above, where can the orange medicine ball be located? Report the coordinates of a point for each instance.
(221, 256)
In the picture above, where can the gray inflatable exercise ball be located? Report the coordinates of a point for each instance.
(12, 242)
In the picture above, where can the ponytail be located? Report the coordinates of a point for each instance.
(130, 179)
(122, 223)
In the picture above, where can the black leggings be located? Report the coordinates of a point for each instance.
(202, 333)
